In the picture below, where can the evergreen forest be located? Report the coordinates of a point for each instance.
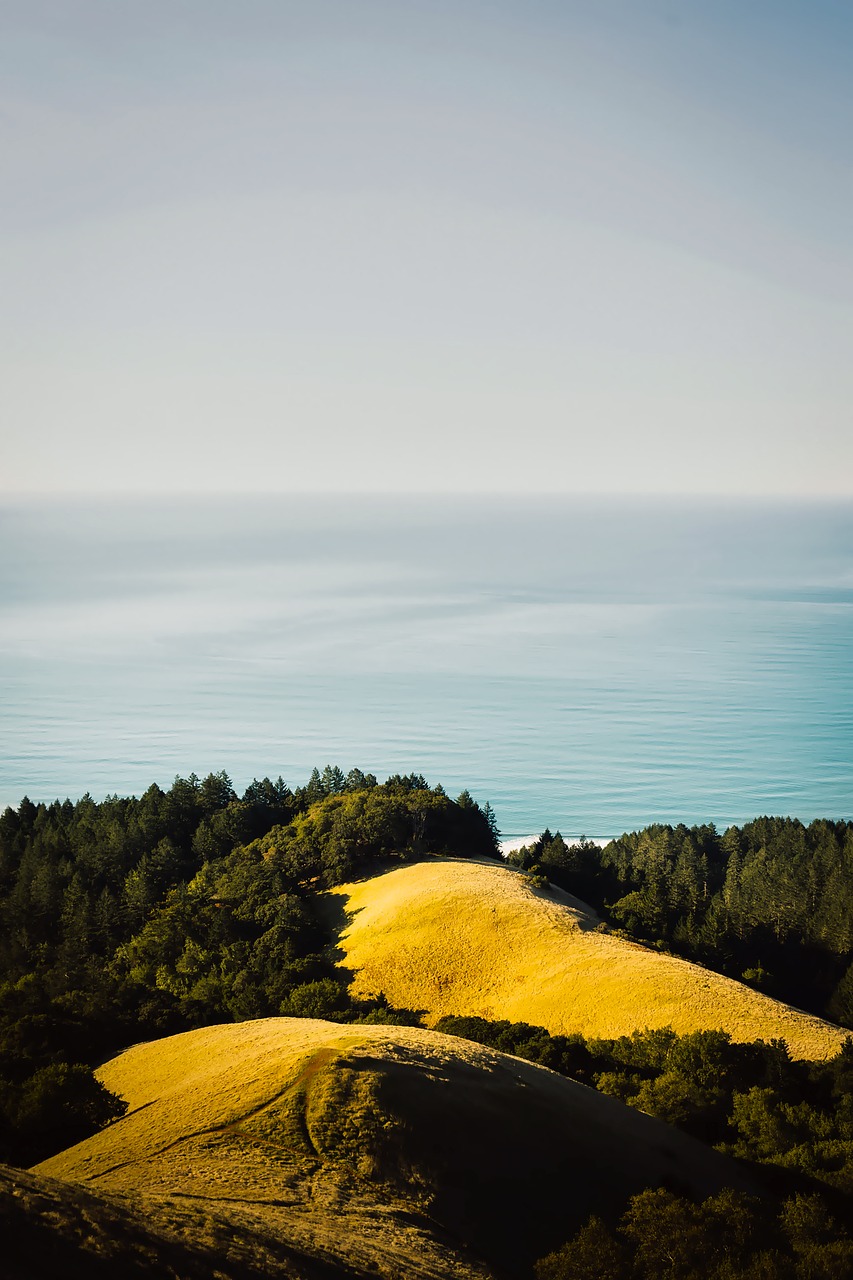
(131, 919)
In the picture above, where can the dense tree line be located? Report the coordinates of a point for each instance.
(770, 903)
(752, 1101)
(793, 1120)
(730, 1236)
(136, 918)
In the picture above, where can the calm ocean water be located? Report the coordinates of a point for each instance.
(590, 665)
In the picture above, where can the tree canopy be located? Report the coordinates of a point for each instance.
(138, 917)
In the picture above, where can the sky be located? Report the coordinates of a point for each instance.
(426, 245)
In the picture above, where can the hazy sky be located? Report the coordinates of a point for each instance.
(417, 244)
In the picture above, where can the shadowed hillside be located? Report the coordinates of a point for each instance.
(454, 937)
(54, 1230)
(447, 1159)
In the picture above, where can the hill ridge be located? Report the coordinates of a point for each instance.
(451, 936)
(388, 1149)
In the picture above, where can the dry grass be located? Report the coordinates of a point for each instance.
(222, 1142)
(456, 937)
(381, 1148)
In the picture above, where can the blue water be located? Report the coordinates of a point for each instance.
(590, 665)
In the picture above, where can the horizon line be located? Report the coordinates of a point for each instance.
(657, 495)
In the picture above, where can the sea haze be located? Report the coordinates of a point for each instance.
(589, 665)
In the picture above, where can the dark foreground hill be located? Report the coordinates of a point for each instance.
(53, 1230)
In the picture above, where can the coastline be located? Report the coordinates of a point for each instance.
(511, 843)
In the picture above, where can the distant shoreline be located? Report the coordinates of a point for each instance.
(511, 843)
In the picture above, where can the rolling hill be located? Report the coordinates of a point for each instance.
(314, 1148)
(464, 937)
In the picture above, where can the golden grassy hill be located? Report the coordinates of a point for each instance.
(461, 937)
(392, 1151)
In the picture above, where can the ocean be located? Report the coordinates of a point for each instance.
(591, 665)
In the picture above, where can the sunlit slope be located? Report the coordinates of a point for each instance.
(457, 937)
(384, 1147)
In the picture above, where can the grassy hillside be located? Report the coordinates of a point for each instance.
(389, 1150)
(455, 937)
